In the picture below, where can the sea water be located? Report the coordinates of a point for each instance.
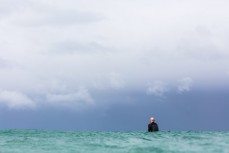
(38, 141)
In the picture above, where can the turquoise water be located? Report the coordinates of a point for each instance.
(36, 141)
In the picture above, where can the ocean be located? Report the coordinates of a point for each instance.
(40, 141)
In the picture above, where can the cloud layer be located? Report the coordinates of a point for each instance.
(67, 51)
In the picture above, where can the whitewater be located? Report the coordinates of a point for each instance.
(41, 141)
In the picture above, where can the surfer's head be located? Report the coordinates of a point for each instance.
(151, 119)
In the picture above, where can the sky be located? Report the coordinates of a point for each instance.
(109, 65)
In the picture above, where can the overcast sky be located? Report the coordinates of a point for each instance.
(64, 62)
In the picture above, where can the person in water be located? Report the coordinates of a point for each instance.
(152, 126)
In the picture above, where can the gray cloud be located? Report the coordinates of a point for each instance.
(38, 13)
(185, 84)
(4, 63)
(16, 100)
(70, 47)
(60, 46)
(112, 80)
(71, 100)
(159, 88)
(58, 18)
(7, 7)
(204, 44)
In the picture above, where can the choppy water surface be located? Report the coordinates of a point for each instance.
(35, 141)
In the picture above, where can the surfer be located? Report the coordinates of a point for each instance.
(152, 126)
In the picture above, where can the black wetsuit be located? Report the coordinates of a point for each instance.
(153, 127)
